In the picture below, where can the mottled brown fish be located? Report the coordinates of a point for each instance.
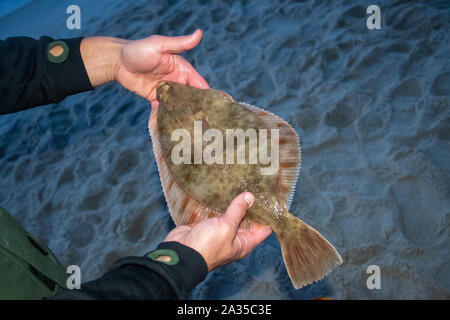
(195, 191)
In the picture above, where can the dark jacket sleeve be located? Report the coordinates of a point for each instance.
(28, 78)
(144, 278)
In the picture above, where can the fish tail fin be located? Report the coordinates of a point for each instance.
(308, 256)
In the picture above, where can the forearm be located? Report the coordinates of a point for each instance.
(29, 77)
(101, 56)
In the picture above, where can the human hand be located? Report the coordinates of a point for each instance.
(220, 240)
(143, 63)
(139, 65)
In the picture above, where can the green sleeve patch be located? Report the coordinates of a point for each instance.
(57, 51)
(173, 256)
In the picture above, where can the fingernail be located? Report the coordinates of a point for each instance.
(249, 198)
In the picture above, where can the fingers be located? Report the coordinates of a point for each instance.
(237, 210)
(249, 239)
(180, 43)
(196, 80)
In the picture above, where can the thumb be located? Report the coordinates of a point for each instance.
(180, 43)
(237, 209)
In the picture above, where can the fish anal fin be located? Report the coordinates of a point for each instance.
(183, 209)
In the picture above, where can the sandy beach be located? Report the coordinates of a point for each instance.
(371, 108)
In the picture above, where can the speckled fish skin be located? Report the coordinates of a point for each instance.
(307, 255)
(215, 185)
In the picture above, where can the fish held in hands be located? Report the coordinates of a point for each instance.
(210, 148)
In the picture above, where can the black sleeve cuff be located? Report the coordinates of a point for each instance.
(190, 270)
(30, 78)
(69, 77)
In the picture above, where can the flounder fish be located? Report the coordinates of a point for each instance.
(196, 190)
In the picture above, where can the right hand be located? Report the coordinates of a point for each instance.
(220, 240)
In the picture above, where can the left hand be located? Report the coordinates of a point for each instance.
(145, 62)
(139, 65)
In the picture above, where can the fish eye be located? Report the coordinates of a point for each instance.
(166, 87)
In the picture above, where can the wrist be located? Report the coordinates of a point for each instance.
(101, 58)
(189, 267)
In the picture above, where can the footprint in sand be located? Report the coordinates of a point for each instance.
(420, 210)
(146, 221)
(408, 88)
(82, 234)
(127, 160)
(341, 116)
(66, 176)
(441, 85)
(60, 121)
(399, 48)
(92, 201)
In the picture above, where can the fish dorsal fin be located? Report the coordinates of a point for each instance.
(289, 152)
(182, 207)
(186, 210)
